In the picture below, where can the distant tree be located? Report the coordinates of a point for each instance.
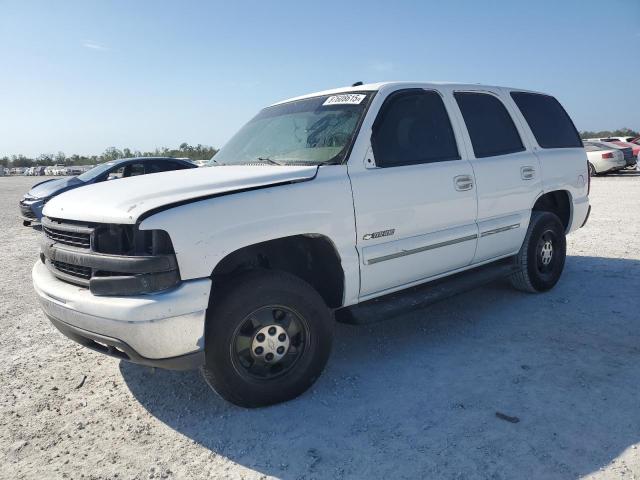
(111, 153)
(198, 152)
(21, 161)
(44, 159)
(621, 132)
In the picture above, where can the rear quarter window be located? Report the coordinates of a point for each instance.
(549, 122)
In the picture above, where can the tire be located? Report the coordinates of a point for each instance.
(277, 305)
(592, 170)
(541, 266)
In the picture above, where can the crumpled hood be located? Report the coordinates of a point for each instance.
(124, 200)
(52, 187)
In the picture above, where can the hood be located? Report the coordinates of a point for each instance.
(53, 187)
(125, 200)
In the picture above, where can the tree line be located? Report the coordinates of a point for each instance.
(621, 132)
(197, 152)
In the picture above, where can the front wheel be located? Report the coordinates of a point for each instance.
(268, 338)
(542, 255)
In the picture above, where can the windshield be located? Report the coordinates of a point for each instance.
(95, 171)
(311, 131)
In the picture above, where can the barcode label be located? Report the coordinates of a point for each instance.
(345, 99)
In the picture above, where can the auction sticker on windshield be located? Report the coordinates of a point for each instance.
(345, 99)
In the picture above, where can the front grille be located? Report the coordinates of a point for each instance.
(75, 239)
(73, 270)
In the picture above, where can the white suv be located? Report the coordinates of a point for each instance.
(322, 206)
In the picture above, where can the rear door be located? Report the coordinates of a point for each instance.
(558, 146)
(414, 194)
(506, 170)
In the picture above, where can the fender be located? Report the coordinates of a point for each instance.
(205, 231)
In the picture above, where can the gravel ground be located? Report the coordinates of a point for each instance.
(411, 398)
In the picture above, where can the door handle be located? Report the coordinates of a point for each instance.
(527, 173)
(463, 182)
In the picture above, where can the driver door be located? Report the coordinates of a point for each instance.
(415, 202)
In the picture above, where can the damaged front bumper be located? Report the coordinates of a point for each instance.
(165, 329)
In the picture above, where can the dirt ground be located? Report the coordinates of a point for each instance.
(410, 398)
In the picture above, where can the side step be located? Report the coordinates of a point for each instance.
(415, 298)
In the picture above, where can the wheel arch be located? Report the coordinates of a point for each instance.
(558, 202)
(312, 257)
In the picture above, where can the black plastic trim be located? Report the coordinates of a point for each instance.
(127, 285)
(66, 227)
(109, 263)
(587, 217)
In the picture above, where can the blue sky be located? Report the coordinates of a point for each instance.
(81, 76)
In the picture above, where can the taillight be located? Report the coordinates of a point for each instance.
(607, 155)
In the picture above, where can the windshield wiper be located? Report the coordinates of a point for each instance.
(269, 161)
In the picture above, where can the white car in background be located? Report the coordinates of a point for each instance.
(626, 149)
(603, 158)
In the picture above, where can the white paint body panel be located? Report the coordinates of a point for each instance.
(206, 231)
(421, 204)
(125, 200)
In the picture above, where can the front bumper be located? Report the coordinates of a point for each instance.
(31, 210)
(164, 329)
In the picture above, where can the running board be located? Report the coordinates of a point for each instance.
(414, 298)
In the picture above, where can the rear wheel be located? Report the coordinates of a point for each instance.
(268, 338)
(542, 255)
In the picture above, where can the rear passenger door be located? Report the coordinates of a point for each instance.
(415, 201)
(558, 146)
(506, 170)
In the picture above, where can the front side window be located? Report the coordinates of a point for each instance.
(310, 131)
(489, 124)
(117, 173)
(549, 122)
(413, 127)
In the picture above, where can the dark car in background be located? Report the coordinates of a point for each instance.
(32, 203)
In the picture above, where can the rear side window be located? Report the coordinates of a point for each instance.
(490, 126)
(413, 127)
(548, 121)
(164, 166)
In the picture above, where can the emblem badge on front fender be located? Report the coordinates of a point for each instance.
(383, 233)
